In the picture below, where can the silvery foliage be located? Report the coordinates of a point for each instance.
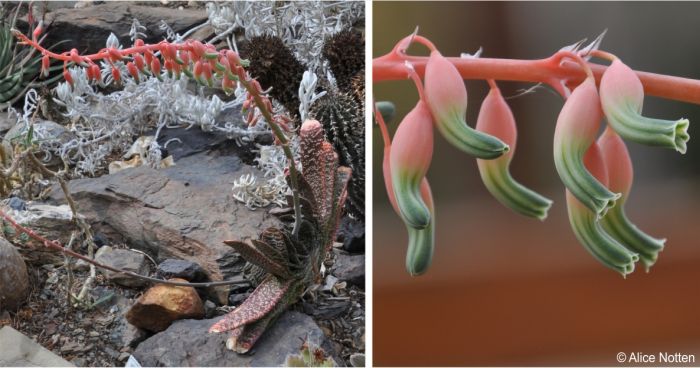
(107, 123)
(307, 93)
(302, 25)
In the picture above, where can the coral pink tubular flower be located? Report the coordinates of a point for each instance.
(589, 231)
(45, 64)
(577, 128)
(68, 77)
(496, 119)
(410, 156)
(138, 60)
(421, 242)
(447, 99)
(615, 222)
(622, 96)
(155, 67)
(133, 71)
(116, 75)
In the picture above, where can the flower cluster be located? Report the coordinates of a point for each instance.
(596, 171)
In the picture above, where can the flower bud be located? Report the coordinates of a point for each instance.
(233, 58)
(138, 60)
(133, 70)
(94, 73)
(615, 222)
(577, 128)
(138, 43)
(38, 30)
(622, 96)
(421, 242)
(589, 231)
(496, 118)
(410, 158)
(68, 77)
(155, 67)
(447, 99)
(116, 75)
(227, 84)
(45, 64)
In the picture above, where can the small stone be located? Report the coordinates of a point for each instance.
(330, 282)
(236, 299)
(93, 334)
(350, 268)
(162, 304)
(123, 357)
(351, 233)
(209, 309)
(14, 279)
(79, 362)
(81, 266)
(17, 204)
(357, 360)
(126, 260)
(100, 239)
(183, 269)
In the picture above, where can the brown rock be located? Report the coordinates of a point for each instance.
(14, 280)
(162, 304)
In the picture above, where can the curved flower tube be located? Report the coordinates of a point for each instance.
(589, 231)
(622, 96)
(421, 242)
(496, 118)
(577, 128)
(410, 156)
(620, 173)
(447, 99)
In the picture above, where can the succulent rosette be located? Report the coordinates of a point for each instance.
(620, 176)
(622, 97)
(410, 156)
(447, 98)
(576, 130)
(588, 229)
(496, 118)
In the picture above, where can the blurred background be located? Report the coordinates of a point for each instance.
(508, 290)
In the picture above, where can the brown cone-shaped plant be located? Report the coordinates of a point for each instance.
(273, 64)
(345, 51)
(344, 126)
(292, 263)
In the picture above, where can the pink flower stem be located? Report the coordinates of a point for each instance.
(391, 67)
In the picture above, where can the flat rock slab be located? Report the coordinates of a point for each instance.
(187, 343)
(21, 351)
(184, 212)
(94, 23)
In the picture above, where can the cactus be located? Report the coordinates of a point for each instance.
(292, 263)
(345, 51)
(274, 65)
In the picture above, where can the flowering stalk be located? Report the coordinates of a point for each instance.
(203, 63)
(597, 218)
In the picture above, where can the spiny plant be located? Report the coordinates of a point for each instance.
(341, 110)
(293, 255)
(293, 263)
(596, 170)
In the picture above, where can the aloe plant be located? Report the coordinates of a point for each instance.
(293, 263)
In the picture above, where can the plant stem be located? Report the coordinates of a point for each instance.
(391, 67)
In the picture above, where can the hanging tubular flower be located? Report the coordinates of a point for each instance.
(577, 128)
(496, 118)
(447, 98)
(410, 158)
(620, 173)
(622, 96)
(421, 242)
(590, 232)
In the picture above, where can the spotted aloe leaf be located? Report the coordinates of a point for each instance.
(616, 223)
(622, 96)
(576, 130)
(588, 229)
(261, 302)
(265, 260)
(496, 118)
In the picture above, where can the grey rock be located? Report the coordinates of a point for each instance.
(209, 309)
(21, 351)
(183, 269)
(351, 233)
(327, 311)
(329, 283)
(17, 204)
(238, 298)
(357, 360)
(123, 259)
(93, 24)
(350, 268)
(44, 130)
(184, 212)
(14, 279)
(5, 122)
(187, 343)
